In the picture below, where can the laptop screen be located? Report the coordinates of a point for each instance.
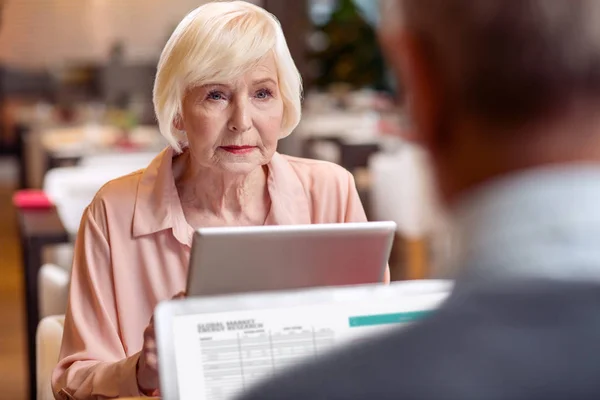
(219, 355)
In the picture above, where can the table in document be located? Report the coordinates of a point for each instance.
(234, 364)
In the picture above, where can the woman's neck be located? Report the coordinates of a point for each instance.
(209, 193)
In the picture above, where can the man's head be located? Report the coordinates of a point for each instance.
(496, 86)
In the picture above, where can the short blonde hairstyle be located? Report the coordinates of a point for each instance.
(219, 41)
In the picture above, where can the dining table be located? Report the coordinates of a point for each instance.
(51, 147)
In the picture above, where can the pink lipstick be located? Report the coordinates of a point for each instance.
(238, 149)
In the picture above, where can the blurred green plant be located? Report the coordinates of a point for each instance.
(352, 55)
(122, 119)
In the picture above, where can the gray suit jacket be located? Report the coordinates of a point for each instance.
(506, 341)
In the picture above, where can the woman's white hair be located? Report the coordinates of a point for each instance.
(220, 41)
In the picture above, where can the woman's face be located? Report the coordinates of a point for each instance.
(234, 126)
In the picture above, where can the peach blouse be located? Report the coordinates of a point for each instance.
(132, 251)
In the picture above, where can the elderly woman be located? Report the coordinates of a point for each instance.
(226, 91)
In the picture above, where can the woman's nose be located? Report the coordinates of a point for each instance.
(240, 121)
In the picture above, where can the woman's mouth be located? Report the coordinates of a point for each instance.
(238, 149)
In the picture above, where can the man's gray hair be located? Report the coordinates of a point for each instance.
(510, 61)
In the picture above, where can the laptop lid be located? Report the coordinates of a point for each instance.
(217, 347)
(250, 259)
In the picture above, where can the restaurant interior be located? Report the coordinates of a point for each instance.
(76, 111)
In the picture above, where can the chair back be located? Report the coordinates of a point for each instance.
(403, 191)
(48, 342)
(53, 289)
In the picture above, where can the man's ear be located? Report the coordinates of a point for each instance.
(415, 72)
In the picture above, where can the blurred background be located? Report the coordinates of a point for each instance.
(76, 110)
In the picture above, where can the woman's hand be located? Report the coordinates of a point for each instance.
(147, 367)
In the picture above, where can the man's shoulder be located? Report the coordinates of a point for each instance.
(487, 340)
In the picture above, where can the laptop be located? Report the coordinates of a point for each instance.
(250, 259)
(217, 347)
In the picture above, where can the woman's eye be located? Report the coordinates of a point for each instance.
(263, 94)
(215, 96)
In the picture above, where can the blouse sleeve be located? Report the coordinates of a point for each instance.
(356, 213)
(92, 362)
